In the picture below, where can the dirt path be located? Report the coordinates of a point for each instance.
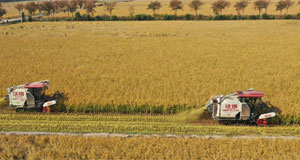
(144, 135)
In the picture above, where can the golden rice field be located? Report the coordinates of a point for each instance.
(69, 147)
(157, 63)
(140, 7)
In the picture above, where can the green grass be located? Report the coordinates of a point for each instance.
(145, 124)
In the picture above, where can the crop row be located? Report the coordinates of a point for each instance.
(117, 109)
(90, 117)
(127, 109)
(73, 147)
(130, 124)
(281, 119)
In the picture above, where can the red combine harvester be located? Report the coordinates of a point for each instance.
(32, 96)
(241, 106)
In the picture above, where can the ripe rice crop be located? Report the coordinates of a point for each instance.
(70, 147)
(155, 63)
(126, 109)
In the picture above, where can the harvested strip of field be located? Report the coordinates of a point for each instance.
(124, 135)
(130, 124)
(70, 147)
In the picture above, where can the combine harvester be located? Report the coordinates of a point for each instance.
(242, 106)
(32, 97)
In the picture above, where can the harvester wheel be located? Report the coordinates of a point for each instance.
(18, 109)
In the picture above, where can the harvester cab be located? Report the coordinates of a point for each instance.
(243, 106)
(32, 96)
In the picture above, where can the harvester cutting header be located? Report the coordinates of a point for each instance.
(32, 96)
(243, 106)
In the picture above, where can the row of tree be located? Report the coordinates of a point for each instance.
(219, 5)
(70, 6)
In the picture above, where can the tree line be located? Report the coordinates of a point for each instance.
(2, 11)
(71, 6)
(219, 5)
(52, 7)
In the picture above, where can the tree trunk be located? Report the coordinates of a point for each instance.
(39, 15)
(265, 10)
(153, 12)
(287, 10)
(196, 14)
(280, 13)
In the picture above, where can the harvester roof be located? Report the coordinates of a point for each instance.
(35, 85)
(256, 94)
